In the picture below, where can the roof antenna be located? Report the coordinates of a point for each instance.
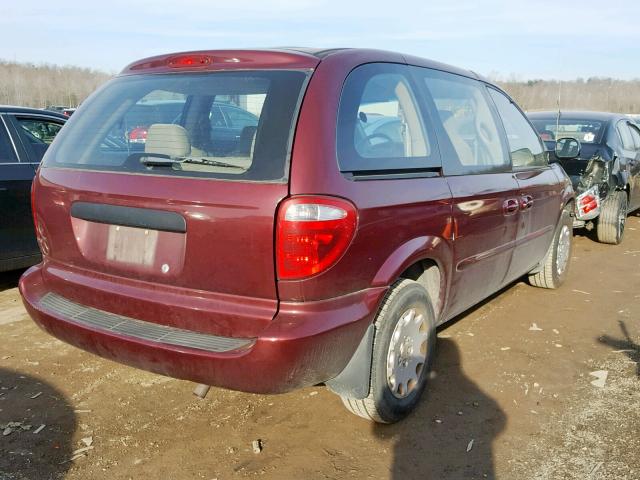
(558, 116)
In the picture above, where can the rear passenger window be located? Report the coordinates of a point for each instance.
(468, 121)
(36, 135)
(524, 144)
(625, 136)
(380, 127)
(635, 133)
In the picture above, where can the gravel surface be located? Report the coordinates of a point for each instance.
(507, 400)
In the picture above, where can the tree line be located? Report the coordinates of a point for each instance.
(40, 86)
(596, 93)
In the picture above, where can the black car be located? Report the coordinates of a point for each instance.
(601, 154)
(25, 134)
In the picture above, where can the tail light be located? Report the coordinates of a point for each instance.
(138, 135)
(182, 61)
(588, 202)
(312, 234)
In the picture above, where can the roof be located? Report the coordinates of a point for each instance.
(578, 115)
(15, 109)
(316, 52)
(282, 57)
(321, 53)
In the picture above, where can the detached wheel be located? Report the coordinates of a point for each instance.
(556, 263)
(612, 219)
(403, 349)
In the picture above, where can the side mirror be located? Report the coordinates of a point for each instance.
(568, 148)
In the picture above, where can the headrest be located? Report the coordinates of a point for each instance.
(168, 139)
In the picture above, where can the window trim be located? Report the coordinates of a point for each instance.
(518, 168)
(433, 162)
(13, 143)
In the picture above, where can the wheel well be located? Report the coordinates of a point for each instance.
(427, 273)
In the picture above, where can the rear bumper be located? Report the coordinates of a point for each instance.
(305, 344)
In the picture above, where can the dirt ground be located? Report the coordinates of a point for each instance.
(513, 375)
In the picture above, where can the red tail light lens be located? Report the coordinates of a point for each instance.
(312, 235)
(588, 203)
(138, 135)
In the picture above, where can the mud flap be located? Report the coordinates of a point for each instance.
(355, 379)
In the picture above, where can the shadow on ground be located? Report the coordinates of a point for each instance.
(27, 401)
(426, 449)
(9, 280)
(630, 348)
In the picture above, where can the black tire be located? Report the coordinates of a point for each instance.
(555, 267)
(612, 218)
(382, 405)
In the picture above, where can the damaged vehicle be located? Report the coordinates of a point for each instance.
(601, 154)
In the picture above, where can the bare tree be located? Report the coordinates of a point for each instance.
(596, 93)
(44, 85)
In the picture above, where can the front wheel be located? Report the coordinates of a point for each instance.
(403, 349)
(556, 264)
(613, 218)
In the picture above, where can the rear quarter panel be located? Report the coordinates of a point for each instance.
(400, 221)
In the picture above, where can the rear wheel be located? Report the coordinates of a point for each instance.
(556, 264)
(613, 218)
(403, 349)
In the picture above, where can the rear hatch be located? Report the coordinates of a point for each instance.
(174, 225)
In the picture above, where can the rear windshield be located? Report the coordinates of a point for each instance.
(235, 125)
(586, 131)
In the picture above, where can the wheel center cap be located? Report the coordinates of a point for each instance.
(406, 351)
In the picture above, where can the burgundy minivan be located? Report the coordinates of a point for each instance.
(317, 232)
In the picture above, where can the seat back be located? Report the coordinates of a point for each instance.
(168, 139)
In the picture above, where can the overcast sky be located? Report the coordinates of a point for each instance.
(529, 39)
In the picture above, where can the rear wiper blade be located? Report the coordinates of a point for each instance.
(206, 161)
(162, 160)
(159, 159)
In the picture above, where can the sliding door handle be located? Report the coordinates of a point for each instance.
(510, 206)
(526, 202)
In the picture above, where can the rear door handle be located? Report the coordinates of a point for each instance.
(526, 202)
(510, 206)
